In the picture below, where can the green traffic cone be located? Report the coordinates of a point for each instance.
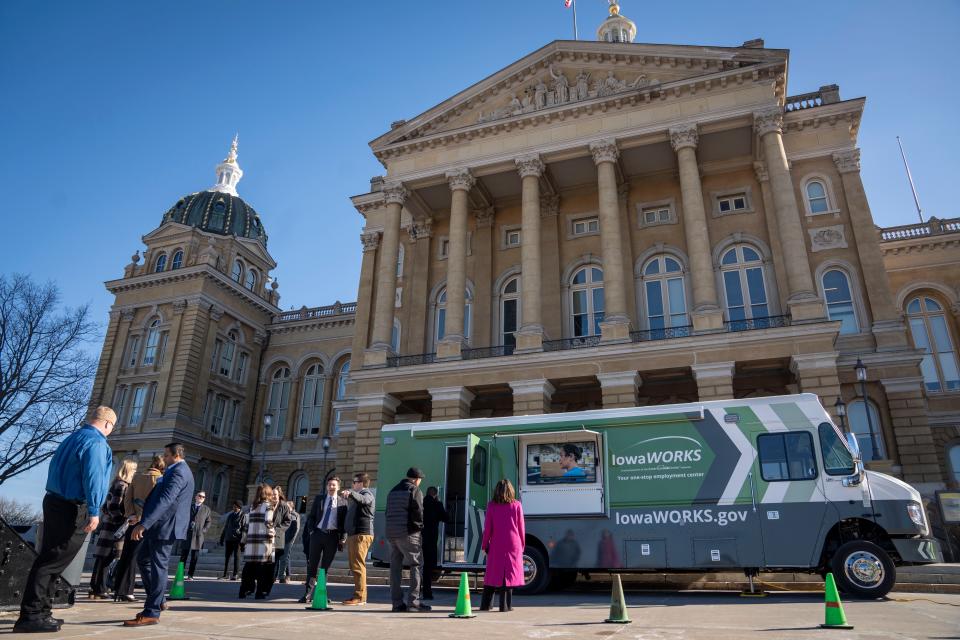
(178, 589)
(618, 606)
(834, 618)
(319, 602)
(463, 609)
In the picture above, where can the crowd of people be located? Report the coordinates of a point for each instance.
(140, 518)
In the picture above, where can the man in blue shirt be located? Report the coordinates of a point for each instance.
(77, 484)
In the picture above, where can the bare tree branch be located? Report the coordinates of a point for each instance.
(15, 512)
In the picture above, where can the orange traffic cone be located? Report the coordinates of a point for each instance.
(834, 617)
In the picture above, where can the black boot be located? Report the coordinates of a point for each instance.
(486, 598)
(502, 597)
(509, 597)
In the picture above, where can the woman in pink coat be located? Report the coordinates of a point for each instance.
(503, 536)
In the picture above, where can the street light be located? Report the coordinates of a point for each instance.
(861, 370)
(325, 443)
(841, 408)
(267, 419)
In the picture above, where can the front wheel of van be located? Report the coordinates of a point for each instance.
(536, 576)
(863, 570)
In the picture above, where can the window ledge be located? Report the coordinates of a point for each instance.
(834, 212)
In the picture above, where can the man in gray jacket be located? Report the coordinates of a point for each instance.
(403, 527)
(359, 528)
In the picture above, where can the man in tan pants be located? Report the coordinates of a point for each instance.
(359, 528)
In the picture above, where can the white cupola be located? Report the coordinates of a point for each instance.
(617, 28)
(229, 172)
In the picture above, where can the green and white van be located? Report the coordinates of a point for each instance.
(763, 484)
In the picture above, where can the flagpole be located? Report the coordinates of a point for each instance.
(913, 187)
(575, 35)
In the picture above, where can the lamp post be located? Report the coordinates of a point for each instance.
(325, 443)
(861, 370)
(841, 408)
(267, 419)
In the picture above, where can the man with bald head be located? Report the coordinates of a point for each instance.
(77, 483)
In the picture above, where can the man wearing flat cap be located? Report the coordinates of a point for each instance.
(403, 527)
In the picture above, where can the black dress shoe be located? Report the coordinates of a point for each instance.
(302, 600)
(47, 625)
(57, 620)
(419, 607)
(399, 608)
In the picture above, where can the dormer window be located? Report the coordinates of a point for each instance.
(218, 215)
(251, 281)
(161, 263)
(237, 273)
(177, 260)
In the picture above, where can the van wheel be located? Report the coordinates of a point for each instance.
(863, 570)
(536, 575)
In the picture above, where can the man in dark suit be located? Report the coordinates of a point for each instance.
(166, 517)
(199, 523)
(325, 526)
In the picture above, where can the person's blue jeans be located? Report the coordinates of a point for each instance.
(282, 563)
(153, 556)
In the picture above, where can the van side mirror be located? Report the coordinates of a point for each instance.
(857, 478)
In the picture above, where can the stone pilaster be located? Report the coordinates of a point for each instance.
(714, 380)
(460, 184)
(531, 397)
(616, 324)
(412, 340)
(483, 252)
(191, 366)
(888, 327)
(773, 232)
(328, 381)
(173, 340)
(530, 335)
(817, 373)
(550, 260)
(394, 196)
(103, 385)
(373, 411)
(619, 388)
(365, 298)
(911, 430)
(803, 301)
(450, 403)
(706, 312)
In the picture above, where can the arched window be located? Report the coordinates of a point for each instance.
(226, 354)
(200, 481)
(299, 488)
(928, 325)
(836, 291)
(217, 492)
(953, 454)
(395, 336)
(860, 427)
(251, 281)
(664, 293)
(311, 405)
(342, 377)
(279, 402)
(586, 301)
(817, 197)
(744, 283)
(161, 263)
(177, 260)
(218, 215)
(510, 312)
(440, 326)
(237, 273)
(400, 253)
(153, 341)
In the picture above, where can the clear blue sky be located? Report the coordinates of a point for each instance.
(111, 110)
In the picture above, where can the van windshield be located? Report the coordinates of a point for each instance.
(837, 460)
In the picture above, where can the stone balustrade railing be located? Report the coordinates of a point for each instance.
(932, 227)
(827, 94)
(305, 313)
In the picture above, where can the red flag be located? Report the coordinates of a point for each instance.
(567, 3)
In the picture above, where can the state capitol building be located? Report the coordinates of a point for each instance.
(599, 224)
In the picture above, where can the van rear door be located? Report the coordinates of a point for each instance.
(478, 494)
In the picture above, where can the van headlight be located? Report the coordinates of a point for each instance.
(915, 511)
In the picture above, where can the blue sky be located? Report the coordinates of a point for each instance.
(111, 110)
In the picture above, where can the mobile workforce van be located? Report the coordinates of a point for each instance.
(765, 484)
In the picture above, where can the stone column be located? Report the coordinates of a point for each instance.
(773, 232)
(619, 388)
(551, 297)
(714, 380)
(803, 301)
(450, 403)
(626, 231)
(616, 324)
(373, 411)
(817, 373)
(888, 327)
(328, 383)
(483, 253)
(413, 337)
(365, 298)
(531, 397)
(706, 312)
(394, 195)
(452, 344)
(909, 415)
(530, 335)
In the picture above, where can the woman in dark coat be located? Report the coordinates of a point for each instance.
(108, 546)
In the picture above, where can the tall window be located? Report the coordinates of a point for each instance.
(836, 290)
(226, 354)
(119, 402)
(400, 253)
(218, 215)
(216, 418)
(664, 293)
(218, 483)
(299, 488)
(235, 419)
(136, 409)
(134, 351)
(441, 321)
(743, 283)
(241, 373)
(279, 401)
(237, 273)
(311, 405)
(177, 260)
(953, 453)
(510, 312)
(928, 325)
(153, 341)
(586, 298)
(215, 356)
(860, 428)
(342, 376)
(395, 336)
(251, 282)
(200, 480)
(161, 263)
(817, 197)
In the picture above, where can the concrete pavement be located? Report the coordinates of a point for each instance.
(215, 612)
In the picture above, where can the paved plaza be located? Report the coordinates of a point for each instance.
(214, 612)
